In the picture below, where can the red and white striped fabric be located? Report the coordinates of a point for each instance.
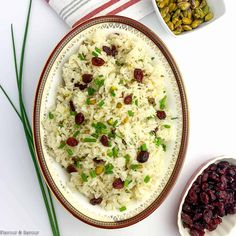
(75, 11)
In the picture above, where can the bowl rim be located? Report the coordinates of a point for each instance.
(185, 131)
(199, 170)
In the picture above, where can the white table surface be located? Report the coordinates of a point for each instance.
(207, 61)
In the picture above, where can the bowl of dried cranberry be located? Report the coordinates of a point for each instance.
(208, 205)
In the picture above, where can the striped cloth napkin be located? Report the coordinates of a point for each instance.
(76, 11)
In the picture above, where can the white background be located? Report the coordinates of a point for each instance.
(207, 61)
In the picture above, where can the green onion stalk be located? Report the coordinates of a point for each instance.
(21, 113)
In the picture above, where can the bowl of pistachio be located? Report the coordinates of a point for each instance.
(179, 17)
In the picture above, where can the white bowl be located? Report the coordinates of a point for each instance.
(216, 6)
(228, 222)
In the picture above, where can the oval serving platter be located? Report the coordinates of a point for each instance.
(57, 178)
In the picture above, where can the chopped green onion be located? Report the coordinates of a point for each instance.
(98, 50)
(62, 145)
(94, 54)
(99, 82)
(84, 177)
(92, 173)
(167, 126)
(164, 147)
(153, 58)
(110, 153)
(135, 166)
(127, 157)
(113, 94)
(91, 91)
(115, 151)
(100, 128)
(150, 117)
(162, 103)
(136, 102)
(70, 152)
(90, 140)
(143, 147)
(94, 135)
(111, 135)
(108, 169)
(174, 118)
(123, 208)
(147, 179)
(101, 103)
(50, 115)
(100, 76)
(76, 126)
(73, 113)
(127, 182)
(115, 123)
(158, 141)
(76, 133)
(130, 113)
(81, 56)
(88, 101)
(78, 164)
(109, 144)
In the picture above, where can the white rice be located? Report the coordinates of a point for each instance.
(118, 74)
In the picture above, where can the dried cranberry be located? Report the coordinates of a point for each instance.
(118, 183)
(138, 75)
(87, 78)
(143, 156)
(223, 164)
(222, 195)
(204, 177)
(72, 106)
(214, 176)
(186, 207)
(230, 208)
(205, 186)
(71, 168)
(213, 167)
(213, 224)
(96, 201)
(79, 118)
(110, 51)
(199, 179)
(212, 195)
(194, 232)
(104, 140)
(81, 86)
(186, 218)
(128, 99)
(219, 206)
(192, 196)
(72, 142)
(197, 216)
(204, 198)
(230, 172)
(207, 215)
(161, 115)
(97, 61)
